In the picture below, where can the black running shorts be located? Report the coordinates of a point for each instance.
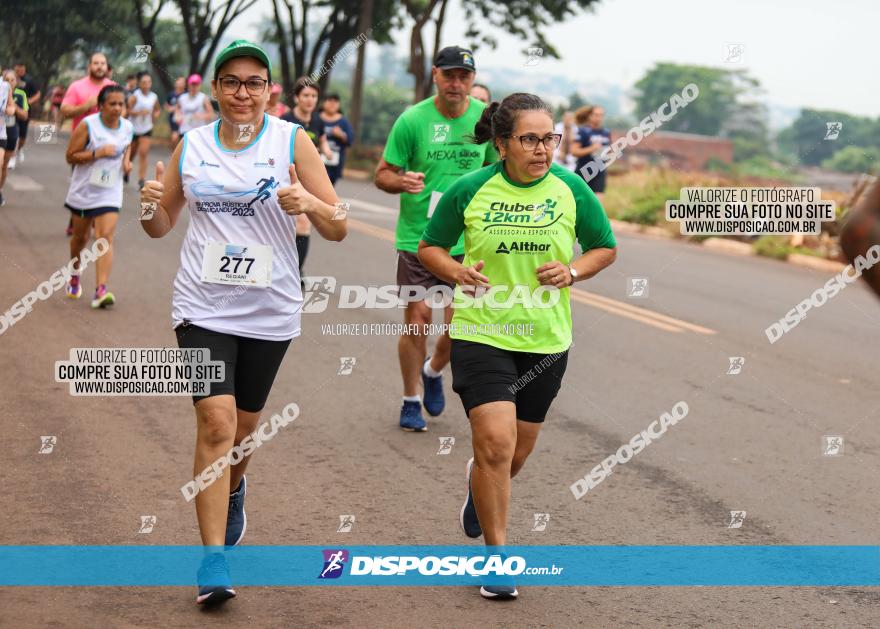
(482, 373)
(251, 364)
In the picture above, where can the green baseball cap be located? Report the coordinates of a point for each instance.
(242, 48)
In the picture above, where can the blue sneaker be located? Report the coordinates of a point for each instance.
(499, 592)
(434, 400)
(411, 417)
(236, 518)
(215, 584)
(470, 524)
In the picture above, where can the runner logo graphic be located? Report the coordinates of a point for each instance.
(346, 365)
(446, 444)
(317, 293)
(736, 519)
(147, 211)
(736, 365)
(334, 564)
(47, 134)
(147, 523)
(734, 53)
(141, 53)
(47, 444)
(535, 55)
(832, 445)
(637, 287)
(245, 132)
(440, 133)
(346, 522)
(541, 521)
(832, 130)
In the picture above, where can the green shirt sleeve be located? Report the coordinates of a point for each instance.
(491, 154)
(399, 148)
(591, 226)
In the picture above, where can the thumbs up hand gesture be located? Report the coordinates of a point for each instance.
(153, 189)
(295, 199)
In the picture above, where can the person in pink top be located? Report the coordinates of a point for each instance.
(81, 98)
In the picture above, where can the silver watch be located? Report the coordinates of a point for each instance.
(574, 274)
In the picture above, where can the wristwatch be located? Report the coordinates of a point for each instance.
(574, 274)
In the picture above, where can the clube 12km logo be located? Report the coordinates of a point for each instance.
(335, 561)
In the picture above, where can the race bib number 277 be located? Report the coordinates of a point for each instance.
(248, 265)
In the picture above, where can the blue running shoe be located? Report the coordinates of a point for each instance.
(215, 584)
(236, 518)
(470, 524)
(499, 592)
(411, 417)
(434, 400)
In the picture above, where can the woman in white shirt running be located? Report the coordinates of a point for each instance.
(99, 153)
(143, 109)
(237, 291)
(193, 107)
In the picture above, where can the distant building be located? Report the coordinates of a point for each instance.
(681, 151)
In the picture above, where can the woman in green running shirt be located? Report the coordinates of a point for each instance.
(511, 328)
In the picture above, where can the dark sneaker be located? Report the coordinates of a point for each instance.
(434, 400)
(236, 518)
(125, 178)
(470, 524)
(215, 584)
(499, 592)
(411, 417)
(103, 298)
(140, 184)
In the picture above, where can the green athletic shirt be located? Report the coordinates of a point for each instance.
(515, 229)
(423, 140)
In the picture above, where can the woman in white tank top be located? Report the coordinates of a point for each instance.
(143, 109)
(237, 291)
(193, 107)
(99, 152)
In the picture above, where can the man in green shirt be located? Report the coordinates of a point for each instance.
(429, 148)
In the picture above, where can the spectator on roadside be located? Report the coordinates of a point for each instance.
(481, 93)
(591, 140)
(339, 135)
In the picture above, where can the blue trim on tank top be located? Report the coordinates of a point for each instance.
(182, 155)
(256, 139)
(293, 138)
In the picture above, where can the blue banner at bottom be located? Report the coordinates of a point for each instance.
(344, 565)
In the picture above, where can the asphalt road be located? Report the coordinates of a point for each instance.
(751, 442)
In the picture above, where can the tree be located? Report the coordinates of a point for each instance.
(204, 24)
(806, 136)
(303, 53)
(854, 159)
(43, 33)
(365, 25)
(148, 25)
(715, 106)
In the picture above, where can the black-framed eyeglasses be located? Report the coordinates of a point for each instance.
(231, 84)
(529, 141)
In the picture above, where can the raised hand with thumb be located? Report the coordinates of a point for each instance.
(153, 189)
(295, 199)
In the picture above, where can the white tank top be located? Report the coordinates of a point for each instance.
(232, 198)
(99, 183)
(143, 122)
(189, 107)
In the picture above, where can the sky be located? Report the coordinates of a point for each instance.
(805, 53)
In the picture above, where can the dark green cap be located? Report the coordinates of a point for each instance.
(242, 48)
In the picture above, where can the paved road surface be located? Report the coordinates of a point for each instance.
(751, 442)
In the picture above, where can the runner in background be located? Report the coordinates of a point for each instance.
(568, 130)
(99, 153)
(171, 106)
(81, 98)
(428, 149)
(592, 138)
(276, 107)
(131, 84)
(29, 85)
(481, 93)
(143, 109)
(340, 135)
(7, 103)
(193, 107)
(55, 99)
(19, 97)
(305, 114)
